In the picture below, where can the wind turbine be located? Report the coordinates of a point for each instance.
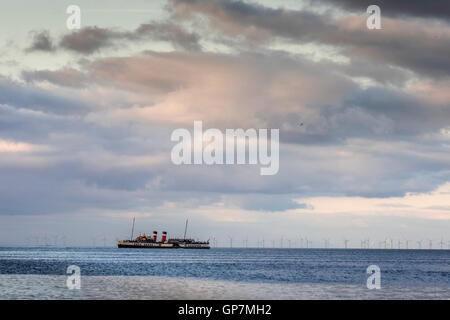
(55, 240)
(442, 243)
(407, 244)
(36, 241)
(346, 243)
(419, 243)
(46, 240)
(231, 242)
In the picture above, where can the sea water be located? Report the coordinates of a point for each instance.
(220, 273)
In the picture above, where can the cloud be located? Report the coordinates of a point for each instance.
(41, 42)
(92, 136)
(430, 205)
(416, 8)
(420, 46)
(33, 98)
(256, 90)
(169, 32)
(13, 146)
(259, 90)
(91, 39)
(105, 148)
(68, 77)
(267, 90)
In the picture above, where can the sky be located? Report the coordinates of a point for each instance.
(86, 117)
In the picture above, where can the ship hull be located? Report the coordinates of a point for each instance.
(194, 246)
(156, 245)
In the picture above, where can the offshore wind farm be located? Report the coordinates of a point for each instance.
(300, 242)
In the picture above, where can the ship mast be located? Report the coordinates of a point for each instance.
(132, 229)
(185, 229)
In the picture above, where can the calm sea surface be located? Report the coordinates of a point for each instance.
(110, 273)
